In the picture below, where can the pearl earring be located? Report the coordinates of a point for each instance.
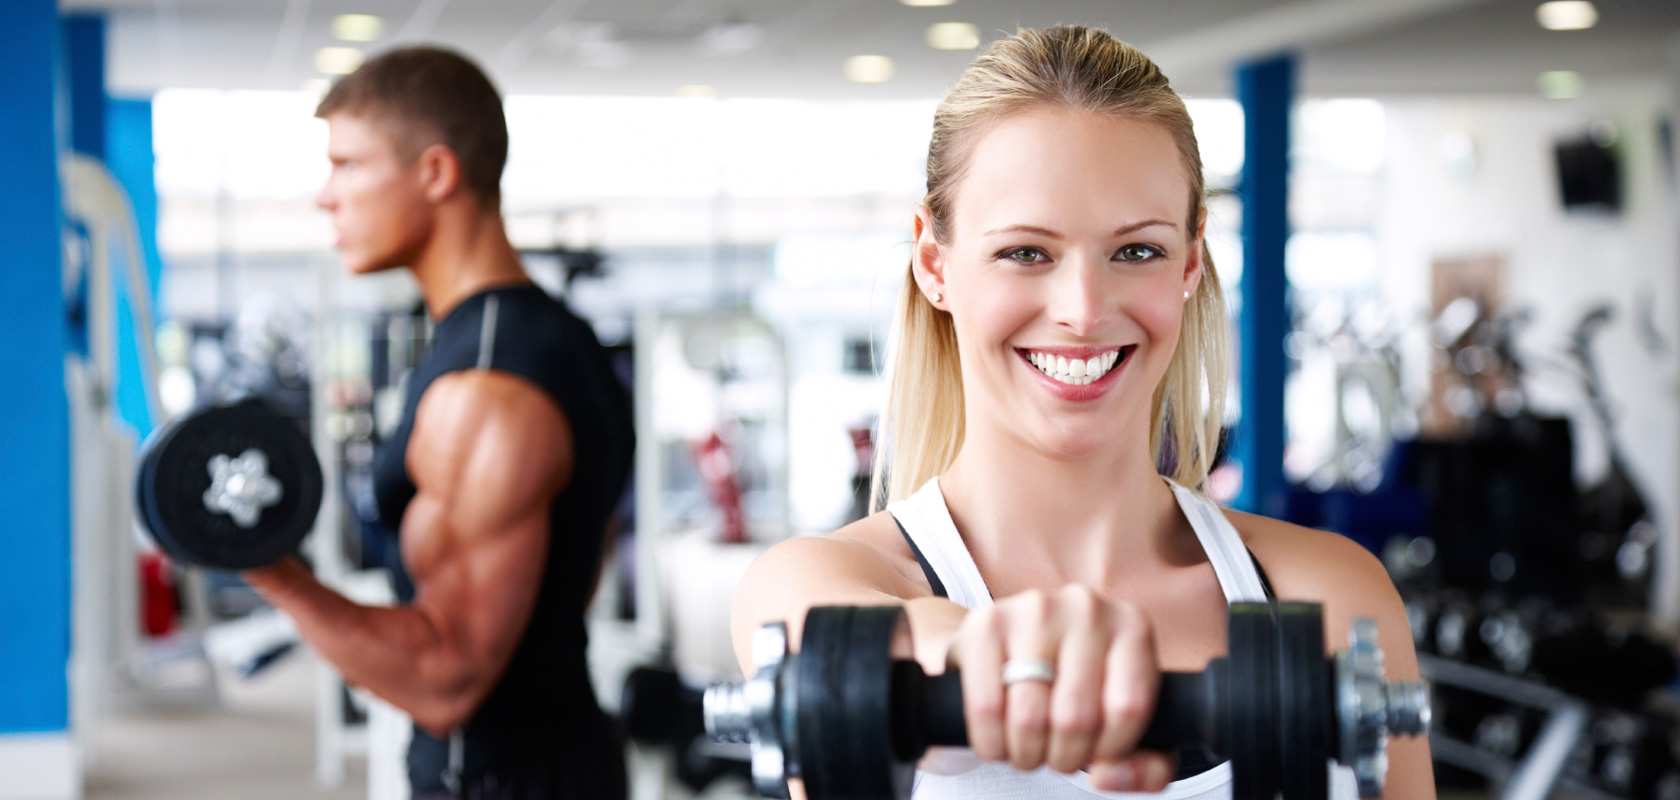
(938, 297)
(1187, 294)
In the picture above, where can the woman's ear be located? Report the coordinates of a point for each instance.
(927, 259)
(440, 172)
(1194, 263)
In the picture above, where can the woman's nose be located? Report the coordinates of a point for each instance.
(1079, 300)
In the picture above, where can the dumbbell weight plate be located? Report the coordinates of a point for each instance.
(844, 685)
(176, 470)
(1305, 707)
(1252, 697)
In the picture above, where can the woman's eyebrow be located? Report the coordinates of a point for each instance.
(1148, 223)
(1050, 234)
(1033, 229)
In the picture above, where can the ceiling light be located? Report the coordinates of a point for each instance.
(927, 3)
(337, 60)
(953, 36)
(869, 69)
(1560, 84)
(1567, 15)
(357, 27)
(697, 90)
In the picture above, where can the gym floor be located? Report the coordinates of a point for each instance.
(259, 744)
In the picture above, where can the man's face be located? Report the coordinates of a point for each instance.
(380, 214)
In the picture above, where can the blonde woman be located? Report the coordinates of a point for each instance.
(1060, 325)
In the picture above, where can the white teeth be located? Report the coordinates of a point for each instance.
(1077, 372)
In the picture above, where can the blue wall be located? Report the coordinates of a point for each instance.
(34, 412)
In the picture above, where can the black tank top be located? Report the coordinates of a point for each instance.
(544, 706)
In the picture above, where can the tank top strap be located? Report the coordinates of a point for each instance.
(926, 522)
(1236, 569)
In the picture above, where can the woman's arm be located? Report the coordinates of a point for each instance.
(1091, 716)
(1351, 583)
(846, 568)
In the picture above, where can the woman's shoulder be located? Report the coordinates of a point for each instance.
(856, 565)
(1327, 568)
(1309, 564)
(1294, 541)
(869, 552)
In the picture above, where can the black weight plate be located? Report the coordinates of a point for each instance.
(175, 474)
(845, 712)
(146, 510)
(874, 701)
(1251, 696)
(1304, 707)
(1321, 680)
(819, 762)
(822, 715)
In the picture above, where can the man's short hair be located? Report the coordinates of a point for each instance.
(424, 96)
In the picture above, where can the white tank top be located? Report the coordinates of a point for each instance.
(954, 774)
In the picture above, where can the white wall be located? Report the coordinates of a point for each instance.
(1558, 264)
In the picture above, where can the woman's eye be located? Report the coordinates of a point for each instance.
(1139, 252)
(1025, 255)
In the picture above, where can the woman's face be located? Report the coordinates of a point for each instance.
(1064, 273)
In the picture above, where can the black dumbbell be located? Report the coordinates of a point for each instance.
(850, 722)
(229, 487)
(657, 707)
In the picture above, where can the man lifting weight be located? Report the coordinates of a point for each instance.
(513, 449)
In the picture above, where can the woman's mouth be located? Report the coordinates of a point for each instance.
(1078, 371)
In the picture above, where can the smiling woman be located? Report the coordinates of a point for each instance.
(1060, 332)
(1066, 265)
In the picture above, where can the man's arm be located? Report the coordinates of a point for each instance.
(488, 453)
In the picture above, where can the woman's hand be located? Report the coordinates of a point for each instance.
(1093, 711)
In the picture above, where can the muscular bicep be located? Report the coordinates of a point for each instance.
(488, 454)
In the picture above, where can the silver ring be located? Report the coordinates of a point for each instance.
(1016, 670)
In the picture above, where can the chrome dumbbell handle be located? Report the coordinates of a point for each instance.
(1370, 708)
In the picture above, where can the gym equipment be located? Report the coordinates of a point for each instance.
(850, 721)
(229, 487)
(657, 707)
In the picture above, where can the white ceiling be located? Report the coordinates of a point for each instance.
(796, 48)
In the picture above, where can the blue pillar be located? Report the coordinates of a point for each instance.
(84, 40)
(119, 133)
(1266, 90)
(34, 409)
(84, 62)
(128, 144)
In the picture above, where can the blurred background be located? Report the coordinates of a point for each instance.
(1449, 230)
